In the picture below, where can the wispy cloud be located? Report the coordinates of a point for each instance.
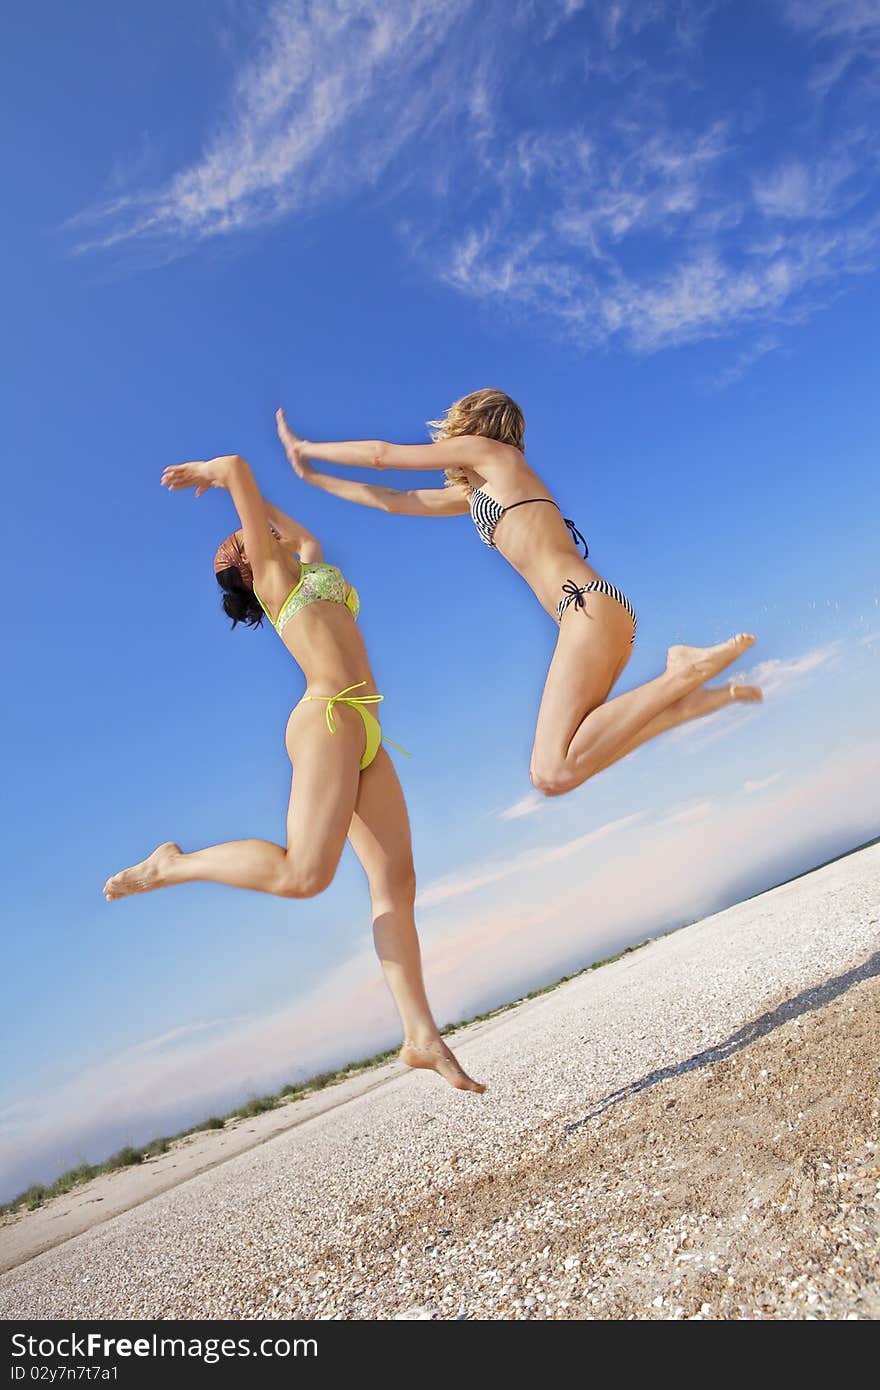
(508, 946)
(165, 1042)
(705, 295)
(778, 674)
(482, 875)
(330, 97)
(656, 230)
(849, 19)
(761, 784)
(687, 815)
(774, 676)
(526, 806)
(768, 342)
(846, 35)
(798, 190)
(613, 211)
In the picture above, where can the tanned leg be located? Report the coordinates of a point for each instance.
(579, 730)
(323, 793)
(380, 837)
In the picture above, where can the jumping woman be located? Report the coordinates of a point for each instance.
(478, 444)
(344, 782)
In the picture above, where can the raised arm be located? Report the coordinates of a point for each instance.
(437, 501)
(466, 451)
(488, 457)
(307, 546)
(233, 473)
(423, 501)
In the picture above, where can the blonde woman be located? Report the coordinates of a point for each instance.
(478, 445)
(344, 783)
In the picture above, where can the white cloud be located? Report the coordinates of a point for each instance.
(661, 875)
(762, 783)
(847, 38)
(295, 129)
(687, 815)
(659, 231)
(799, 190)
(774, 676)
(175, 1036)
(778, 674)
(482, 875)
(835, 18)
(744, 360)
(639, 218)
(526, 806)
(703, 296)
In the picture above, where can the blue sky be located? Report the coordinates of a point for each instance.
(656, 225)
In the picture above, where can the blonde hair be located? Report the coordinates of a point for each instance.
(489, 413)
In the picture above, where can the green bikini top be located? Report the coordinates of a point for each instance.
(317, 581)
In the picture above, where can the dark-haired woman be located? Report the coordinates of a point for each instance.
(478, 444)
(344, 782)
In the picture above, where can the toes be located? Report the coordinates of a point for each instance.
(749, 694)
(460, 1079)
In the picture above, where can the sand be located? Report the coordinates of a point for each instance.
(690, 1132)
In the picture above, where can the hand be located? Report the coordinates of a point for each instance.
(200, 474)
(293, 448)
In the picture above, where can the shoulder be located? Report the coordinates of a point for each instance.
(480, 445)
(492, 462)
(274, 581)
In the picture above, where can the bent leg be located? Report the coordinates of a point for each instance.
(706, 700)
(579, 730)
(380, 837)
(323, 792)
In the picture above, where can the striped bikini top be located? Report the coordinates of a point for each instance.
(316, 581)
(486, 513)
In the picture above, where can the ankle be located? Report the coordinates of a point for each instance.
(421, 1037)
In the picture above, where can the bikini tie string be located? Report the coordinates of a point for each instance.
(345, 697)
(576, 535)
(570, 588)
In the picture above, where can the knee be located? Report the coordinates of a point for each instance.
(549, 778)
(394, 890)
(304, 880)
(404, 883)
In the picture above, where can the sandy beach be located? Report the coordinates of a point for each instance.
(689, 1132)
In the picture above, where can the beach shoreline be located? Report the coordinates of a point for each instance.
(725, 1064)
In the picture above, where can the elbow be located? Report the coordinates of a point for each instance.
(381, 452)
(237, 465)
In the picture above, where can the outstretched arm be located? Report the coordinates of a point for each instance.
(423, 501)
(484, 456)
(437, 501)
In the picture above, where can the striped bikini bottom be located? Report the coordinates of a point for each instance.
(574, 593)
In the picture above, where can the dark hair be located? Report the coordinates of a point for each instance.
(239, 602)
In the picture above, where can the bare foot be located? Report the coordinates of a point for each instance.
(708, 698)
(705, 662)
(751, 694)
(435, 1056)
(144, 877)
